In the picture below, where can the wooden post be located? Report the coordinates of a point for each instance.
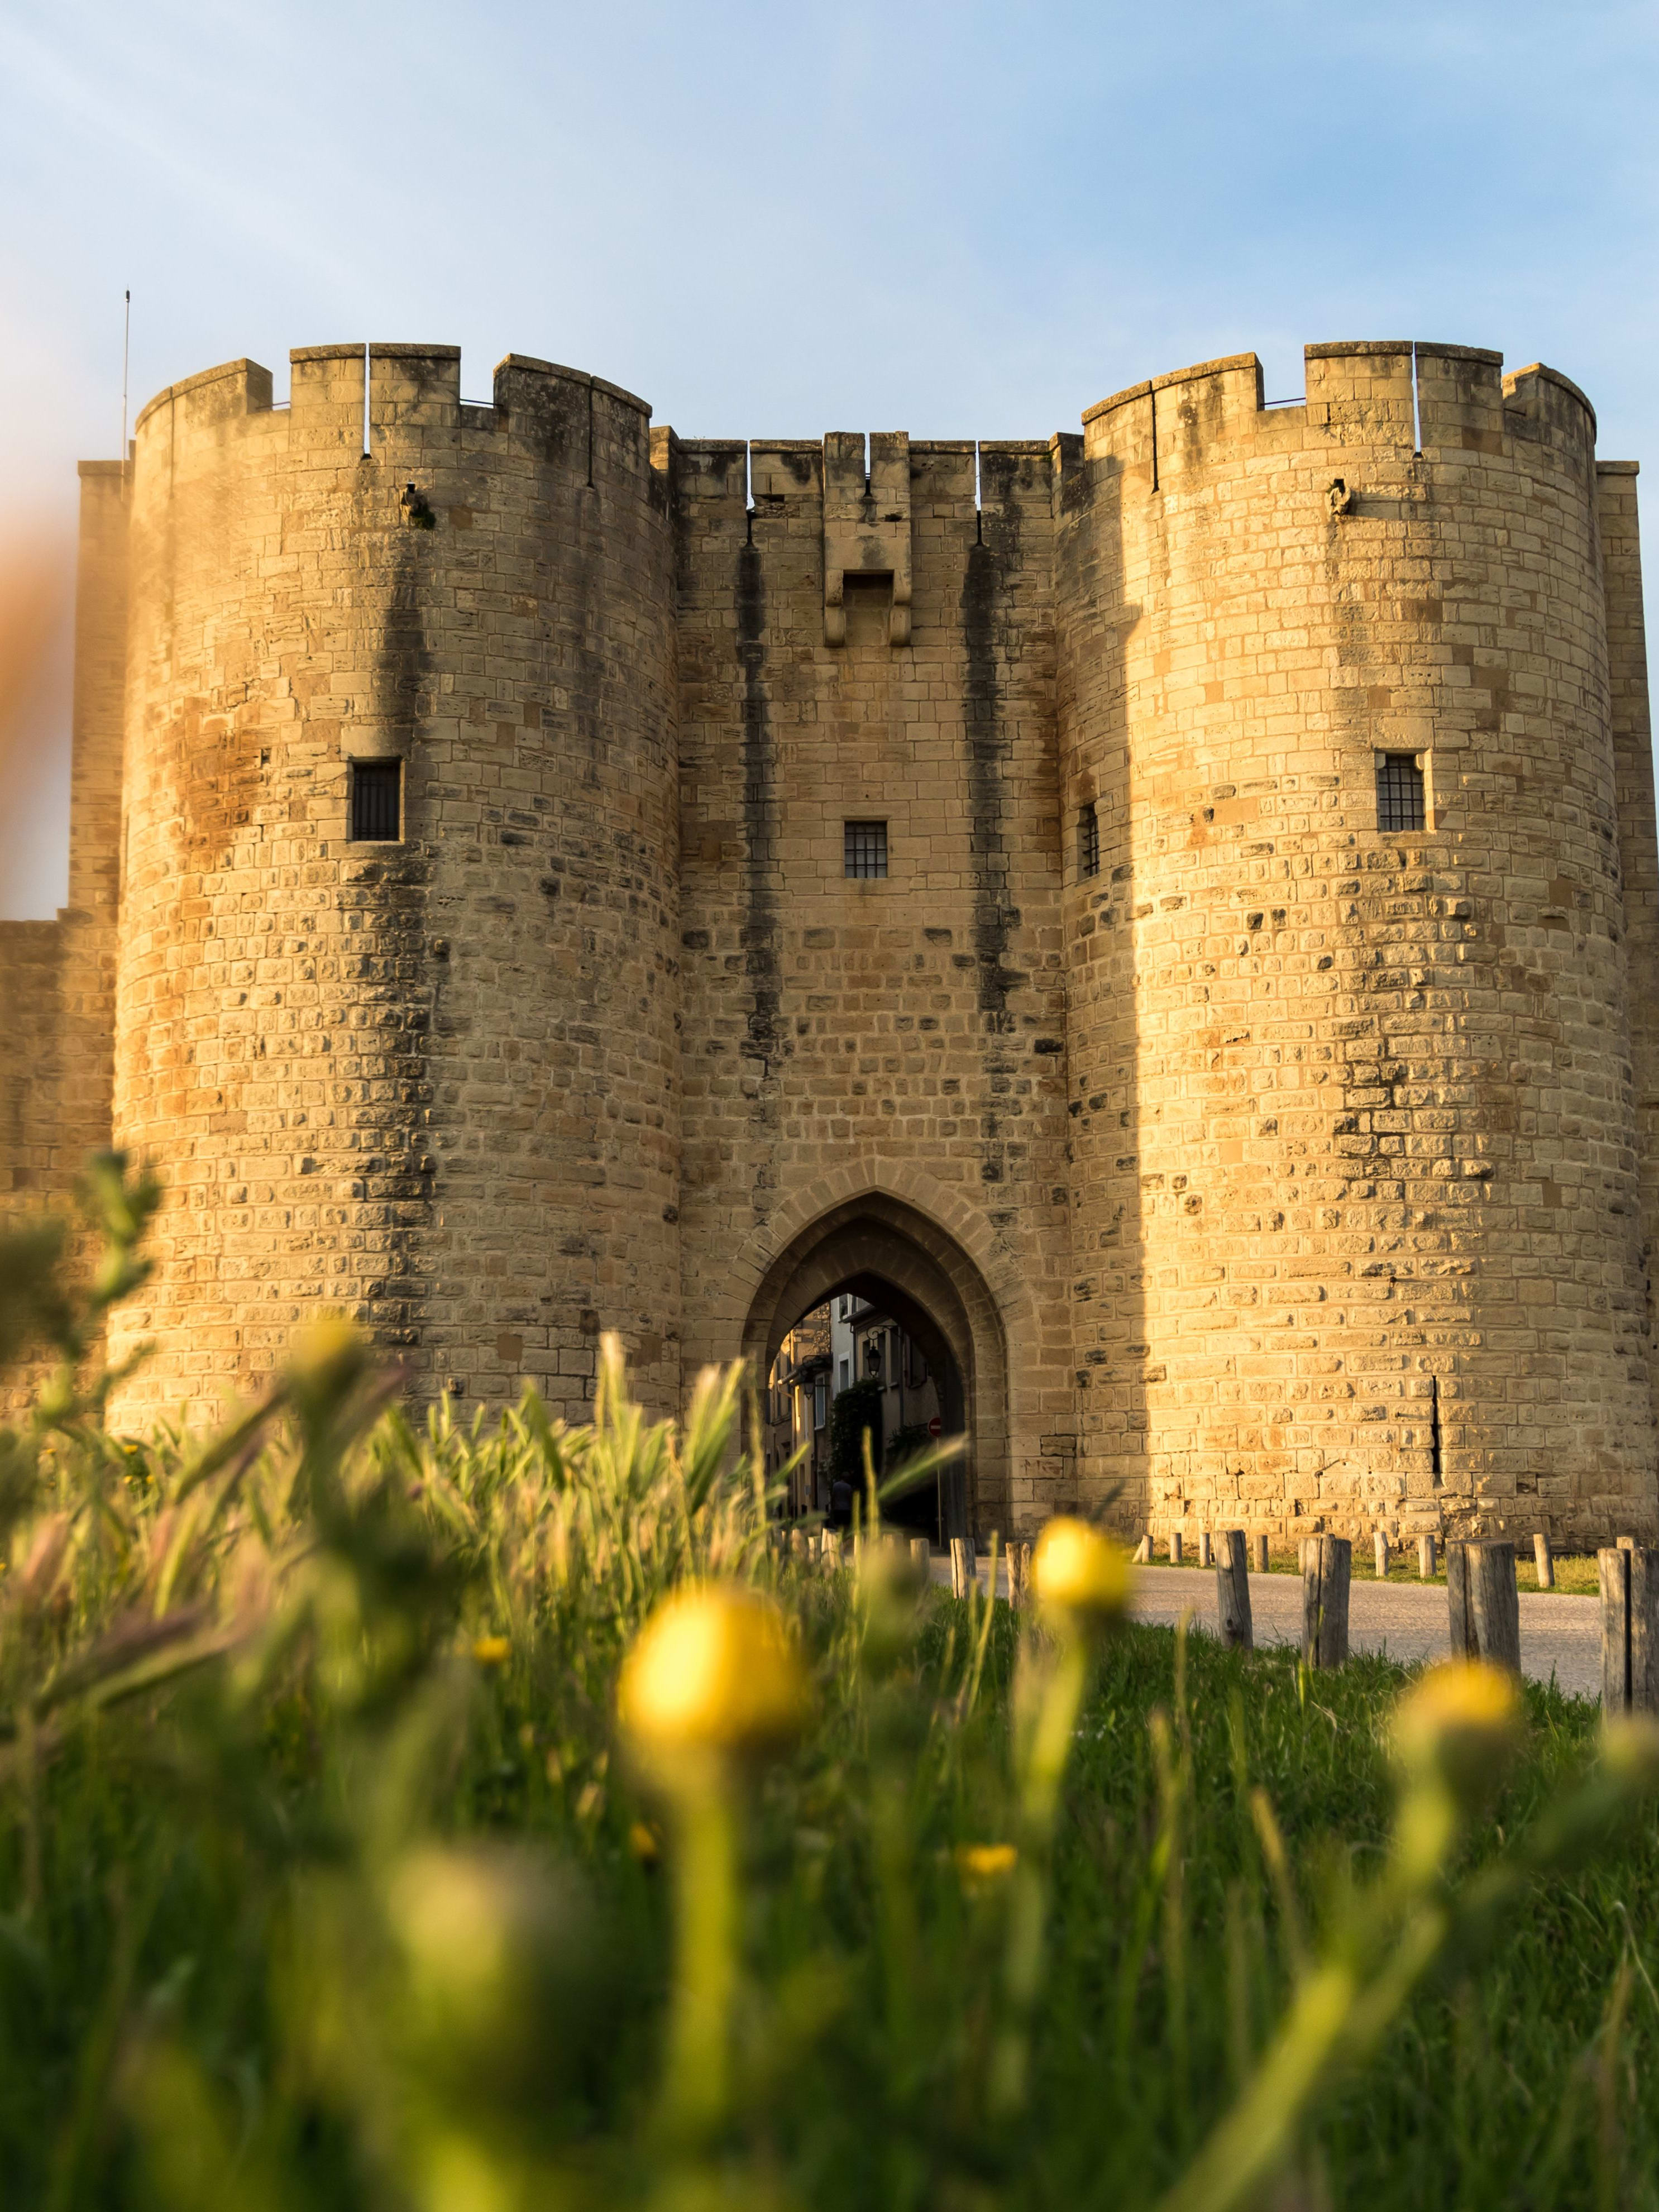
(1232, 1591)
(1459, 1612)
(1327, 1571)
(964, 1566)
(1380, 1544)
(1174, 1547)
(1494, 1603)
(1542, 1561)
(1426, 1558)
(1206, 1557)
(1019, 1570)
(1143, 1552)
(921, 1558)
(1613, 1574)
(1483, 1609)
(1629, 1576)
(1643, 1630)
(1262, 1554)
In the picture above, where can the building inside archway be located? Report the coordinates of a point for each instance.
(849, 1367)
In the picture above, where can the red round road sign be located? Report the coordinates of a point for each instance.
(934, 1425)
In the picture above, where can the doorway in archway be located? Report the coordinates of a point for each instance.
(866, 1362)
(878, 1283)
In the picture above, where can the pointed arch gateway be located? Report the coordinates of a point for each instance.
(880, 1247)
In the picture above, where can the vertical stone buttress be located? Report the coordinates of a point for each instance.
(1356, 1182)
(431, 1082)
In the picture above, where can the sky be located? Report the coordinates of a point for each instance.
(771, 221)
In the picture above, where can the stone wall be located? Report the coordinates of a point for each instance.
(1278, 1170)
(837, 1027)
(430, 1081)
(1357, 1164)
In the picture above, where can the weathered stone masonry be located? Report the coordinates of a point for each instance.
(1283, 1172)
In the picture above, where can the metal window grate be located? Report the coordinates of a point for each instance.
(376, 793)
(864, 849)
(1399, 792)
(1088, 841)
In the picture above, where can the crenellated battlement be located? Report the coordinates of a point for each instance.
(1393, 394)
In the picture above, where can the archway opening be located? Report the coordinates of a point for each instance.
(878, 1285)
(869, 1362)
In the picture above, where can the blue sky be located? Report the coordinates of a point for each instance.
(959, 221)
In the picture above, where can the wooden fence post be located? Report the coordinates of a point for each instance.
(1613, 1573)
(1206, 1555)
(1019, 1574)
(1629, 1576)
(1232, 1591)
(1643, 1630)
(1143, 1552)
(1327, 1571)
(964, 1566)
(922, 1557)
(1174, 1547)
(1262, 1554)
(1543, 1561)
(1494, 1602)
(1380, 1544)
(1460, 1614)
(1484, 1611)
(1426, 1558)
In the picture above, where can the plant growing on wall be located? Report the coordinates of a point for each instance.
(856, 1409)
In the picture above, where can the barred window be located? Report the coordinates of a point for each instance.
(864, 849)
(1088, 841)
(376, 796)
(1399, 792)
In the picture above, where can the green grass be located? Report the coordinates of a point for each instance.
(325, 1880)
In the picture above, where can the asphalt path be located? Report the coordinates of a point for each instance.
(1561, 1635)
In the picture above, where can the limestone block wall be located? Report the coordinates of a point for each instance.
(901, 1037)
(431, 1081)
(1357, 1182)
(1639, 843)
(1248, 1163)
(57, 978)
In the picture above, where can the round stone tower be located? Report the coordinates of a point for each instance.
(1355, 1193)
(396, 1001)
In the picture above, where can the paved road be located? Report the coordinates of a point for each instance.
(1559, 1634)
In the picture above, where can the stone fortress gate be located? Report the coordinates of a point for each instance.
(1172, 912)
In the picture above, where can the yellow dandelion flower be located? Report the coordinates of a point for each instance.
(1457, 1723)
(713, 1675)
(1081, 1577)
(983, 1865)
(491, 1650)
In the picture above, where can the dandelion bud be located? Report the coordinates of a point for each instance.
(1457, 1726)
(1630, 1751)
(890, 1587)
(327, 1357)
(714, 1678)
(1081, 1578)
(499, 1959)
